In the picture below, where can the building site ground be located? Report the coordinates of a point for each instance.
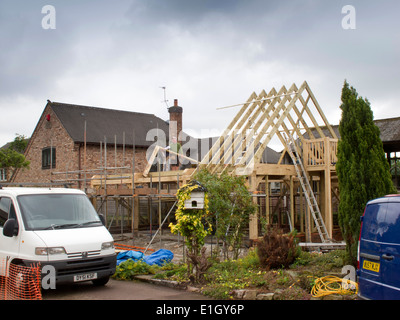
(244, 278)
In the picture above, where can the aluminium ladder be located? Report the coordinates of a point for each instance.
(305, 184)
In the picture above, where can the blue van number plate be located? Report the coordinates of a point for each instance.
(372, 266)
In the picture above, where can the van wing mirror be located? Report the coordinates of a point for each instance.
(102, 219)
(10, 228)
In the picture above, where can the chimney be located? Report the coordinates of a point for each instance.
(175, 121)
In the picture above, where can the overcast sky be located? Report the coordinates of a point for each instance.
(207, 53)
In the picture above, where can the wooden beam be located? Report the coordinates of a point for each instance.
(286, 110)
(326, 200)
(244, 124)
(151, 160)
(310, 114)
(136, 216)
(253, 222)
(271, 169)
(292, 200)
(238, 137)
(321, 113)
(217, 144)
(267, 199)
(258, 114)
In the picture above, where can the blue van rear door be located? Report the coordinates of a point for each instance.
(370, 247)
(390, 251)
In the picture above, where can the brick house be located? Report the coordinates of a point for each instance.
(71, 138)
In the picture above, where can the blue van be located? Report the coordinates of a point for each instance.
(379, 250)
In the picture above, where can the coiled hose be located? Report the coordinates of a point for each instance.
(333, 285)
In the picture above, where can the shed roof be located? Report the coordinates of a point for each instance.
(389, 128)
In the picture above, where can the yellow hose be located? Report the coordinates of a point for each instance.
(333, 285)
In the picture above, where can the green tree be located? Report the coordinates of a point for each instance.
(362, 168)
(12, 157)
(230, 206)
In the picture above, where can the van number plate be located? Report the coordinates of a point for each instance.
(372, 266)
(85, 277)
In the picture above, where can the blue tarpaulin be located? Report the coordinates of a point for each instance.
(129, 254)
(159, 257)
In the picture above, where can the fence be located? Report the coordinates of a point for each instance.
(320, 152)
(20, 282)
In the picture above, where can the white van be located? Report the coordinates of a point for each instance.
(57, 227)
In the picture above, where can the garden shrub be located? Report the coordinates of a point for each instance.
(277, 250)
(128, 269)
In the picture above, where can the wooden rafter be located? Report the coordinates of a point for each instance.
(260, 119)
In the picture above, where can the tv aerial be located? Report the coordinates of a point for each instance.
(165, 96)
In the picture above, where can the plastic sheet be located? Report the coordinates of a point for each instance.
(159, 257)
(129, 254)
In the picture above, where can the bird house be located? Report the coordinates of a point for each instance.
(196, 200)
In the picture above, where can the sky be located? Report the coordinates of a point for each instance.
(206, 53)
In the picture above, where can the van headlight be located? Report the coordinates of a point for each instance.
(107, 245)
(44, 251)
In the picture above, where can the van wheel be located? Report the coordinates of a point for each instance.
(101, 282)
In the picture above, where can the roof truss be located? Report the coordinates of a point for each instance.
(292, 111)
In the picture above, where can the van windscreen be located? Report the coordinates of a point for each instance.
(57, 211)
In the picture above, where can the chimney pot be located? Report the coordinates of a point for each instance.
(175, 102)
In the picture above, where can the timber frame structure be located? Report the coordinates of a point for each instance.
(283, 115)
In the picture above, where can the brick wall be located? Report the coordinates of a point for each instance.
(47, 134)
(95, 157)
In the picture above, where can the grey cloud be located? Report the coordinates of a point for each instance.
(209, 53)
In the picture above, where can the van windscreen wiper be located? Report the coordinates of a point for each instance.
(60, 226)
(87, 223)
(70, 225)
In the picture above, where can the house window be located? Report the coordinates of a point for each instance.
(3, 174)
(48, 158)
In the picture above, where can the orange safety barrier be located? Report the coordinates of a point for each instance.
(20, 282)
(121, 246)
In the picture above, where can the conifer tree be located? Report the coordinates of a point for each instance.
(362, 168)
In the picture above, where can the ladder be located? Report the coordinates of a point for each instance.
(305, 184)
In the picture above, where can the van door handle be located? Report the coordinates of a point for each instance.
(387, 257)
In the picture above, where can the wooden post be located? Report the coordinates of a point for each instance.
(308, 218)
(291, 201)
(328, 202)
(135, 204)
(301, 205)
(253, 223)
(328, 185)
(267, 199)
(159, 197)
(135, 200)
